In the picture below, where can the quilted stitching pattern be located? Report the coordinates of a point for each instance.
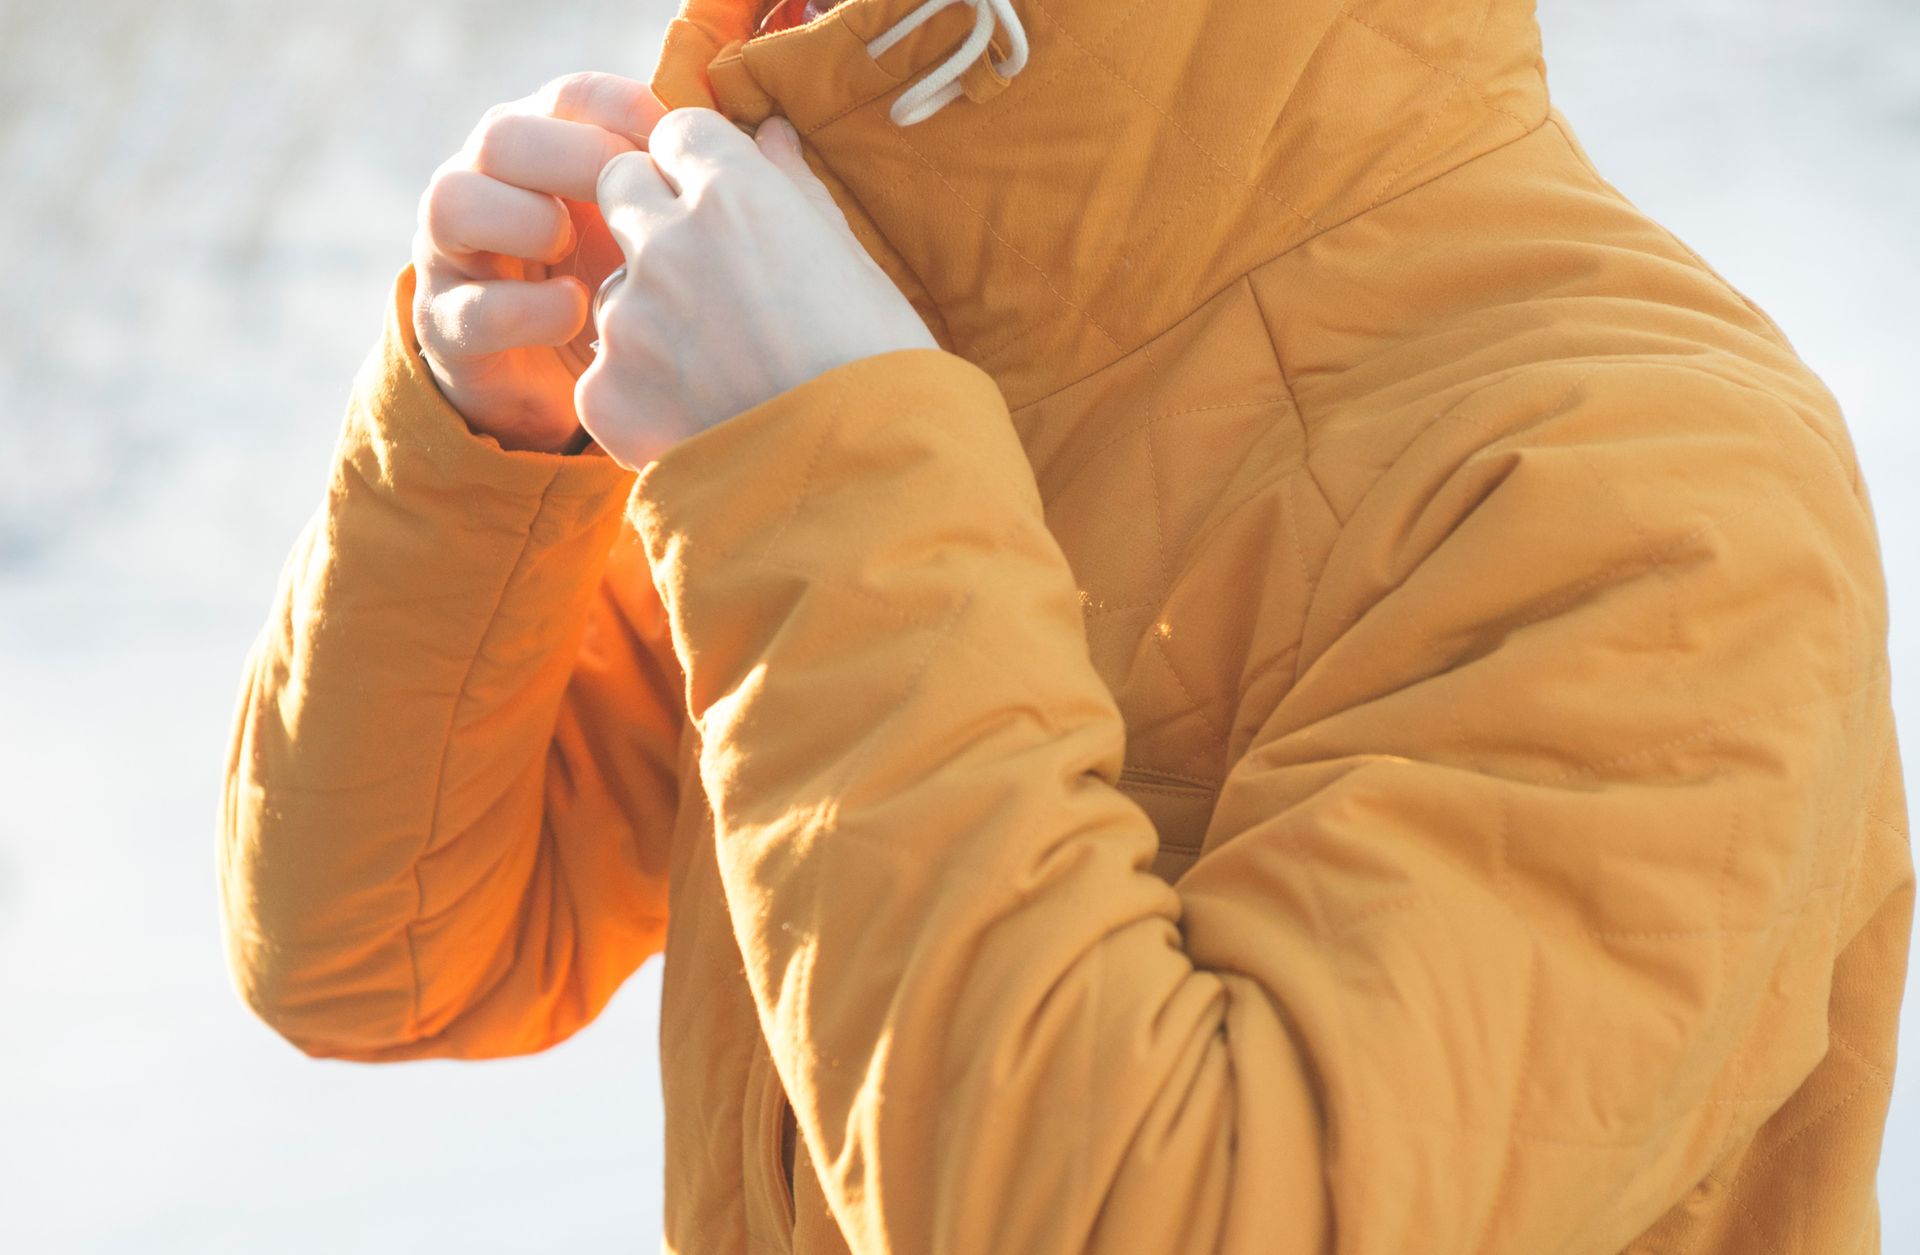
(1046, 280)
(1470, 596)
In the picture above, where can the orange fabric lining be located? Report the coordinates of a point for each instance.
(785, 13)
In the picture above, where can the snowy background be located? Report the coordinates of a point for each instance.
(201, 207)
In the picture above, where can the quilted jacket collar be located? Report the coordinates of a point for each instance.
(1148, 155)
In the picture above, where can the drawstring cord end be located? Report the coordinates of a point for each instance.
(941, 85)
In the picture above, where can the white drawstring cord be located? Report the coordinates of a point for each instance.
(941, 84)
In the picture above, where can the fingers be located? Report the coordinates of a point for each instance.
(478, 318)
(466, 212)
(692, 145)
(634, 198)
(502, 202)
(780, 144)
(544, 154)
(625, 106)
(556, 140)
(688, 149)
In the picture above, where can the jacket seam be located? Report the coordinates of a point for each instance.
(1288, 249)
(427, 846)
(1316, 230)
(1293, 397)
(1305, 464)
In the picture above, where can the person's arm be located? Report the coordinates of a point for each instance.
(1518, 908)
(453, 768)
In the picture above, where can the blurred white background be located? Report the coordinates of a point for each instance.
(201, 207)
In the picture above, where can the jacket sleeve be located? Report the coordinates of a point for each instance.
(1516, 911)
(452, 771)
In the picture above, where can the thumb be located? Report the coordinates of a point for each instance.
(780, 143)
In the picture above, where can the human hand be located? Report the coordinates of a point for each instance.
(744, 280)
(511, 245)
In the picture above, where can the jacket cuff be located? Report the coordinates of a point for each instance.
(403, 430)
(904, 459)
(728, 489)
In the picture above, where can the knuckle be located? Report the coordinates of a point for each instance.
(433, 190)
(718, 132)
(481, 319)
(496, 141)
(693, 127)
(569, 92)
(487, 121)
(670, 131)
(712, 122)
(617, 174)
(704, 134)
(457, 161)
(445, 199)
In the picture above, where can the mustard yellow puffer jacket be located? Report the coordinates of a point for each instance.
(1344, 709)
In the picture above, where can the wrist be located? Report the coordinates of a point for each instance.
(568, 443)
